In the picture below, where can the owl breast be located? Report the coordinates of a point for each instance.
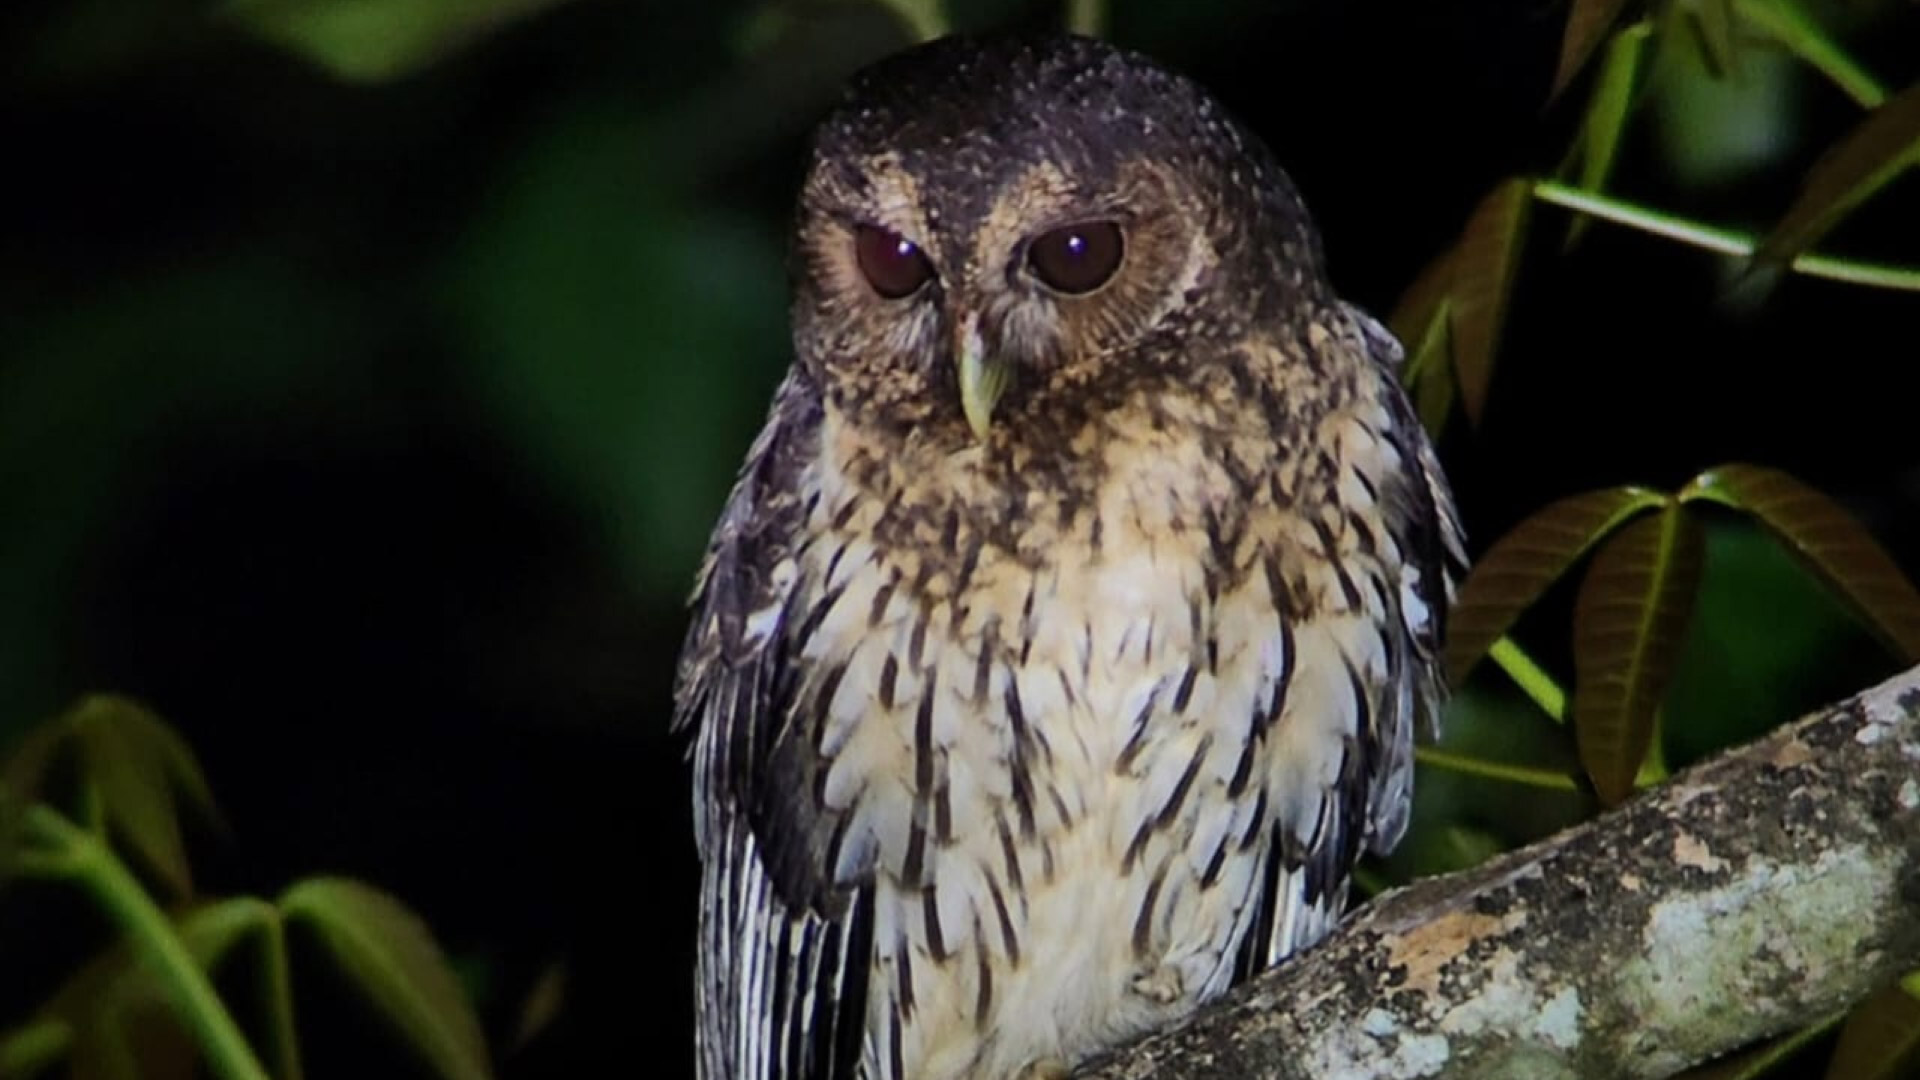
(1063, 765)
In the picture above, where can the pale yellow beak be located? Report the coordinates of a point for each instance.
(982, 378)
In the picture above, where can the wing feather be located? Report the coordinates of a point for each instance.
(783, 950)
(1307, 868)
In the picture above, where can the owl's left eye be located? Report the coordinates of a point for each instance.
(1077, 259)
(894, 265)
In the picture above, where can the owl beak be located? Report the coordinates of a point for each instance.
(982, 378)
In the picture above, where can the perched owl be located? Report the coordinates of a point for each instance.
(1061, 646)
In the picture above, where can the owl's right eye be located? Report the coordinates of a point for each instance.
(894, 265)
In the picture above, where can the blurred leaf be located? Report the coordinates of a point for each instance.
(1629, 623)
(1433, 386)
(137, 1019)
(80, 1003)
(32, 1048)
(544, 1003)
(25, 773)
(1587, 24)
(1710, 130)
(1881, 147)
(1835, 545)
(138, 764)
(1761, 612)
(1881, 1038)
(376, 40)
(390, 954)
(1422, 301)
(115, 1012)
(1762, 1060)
(1712, 22)
(1484, 268)
(1521, 565)
(1465, 847)
(1421, 318)
(1607, 112)
(211, 930)
(625, 335)
(1788, 23)
(138, 1037)
(924, 19)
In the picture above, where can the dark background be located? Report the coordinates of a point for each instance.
(369, 428)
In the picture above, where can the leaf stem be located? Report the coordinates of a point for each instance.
(1495, 770)
(76, 854)
(1530, 677)
(1723, 241)
(277, 985)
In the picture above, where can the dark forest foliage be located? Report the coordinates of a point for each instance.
(374, 372)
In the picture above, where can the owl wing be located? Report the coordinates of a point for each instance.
(783, 950)
(1360, 681)
(1424, 528)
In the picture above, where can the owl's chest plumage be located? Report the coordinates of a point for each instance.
(1062, 763)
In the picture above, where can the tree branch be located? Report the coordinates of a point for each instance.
(1771, 886)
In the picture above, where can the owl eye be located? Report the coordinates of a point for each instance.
(894, 265)
(1078, 258)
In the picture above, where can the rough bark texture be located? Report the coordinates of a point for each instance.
(1768, 887)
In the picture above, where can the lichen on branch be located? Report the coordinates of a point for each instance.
(1766, 888)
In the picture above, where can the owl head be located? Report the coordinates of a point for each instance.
(994, 232)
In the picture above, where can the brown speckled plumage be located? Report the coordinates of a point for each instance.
(1013, 743)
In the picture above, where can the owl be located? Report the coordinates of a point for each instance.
(1063, 641)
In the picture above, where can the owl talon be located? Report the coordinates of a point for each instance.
(1162, 986)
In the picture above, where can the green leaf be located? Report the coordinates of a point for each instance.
(1521, 565)
(137, 1038)
(1485, 265)
(1834, 545)
(1607, 111)
(1433, 386)
(1786, 22)
(115, 1009)
(1878, 149)
(545, 1001)
(33, 1047)
(23, 776)
(1712, 22)
(210, 931)
(391, 955)
(1881, 1038)
(924, 19)
(368, 41)
(1587, 24)
(138, 765)
(1630, 620)
(1421, 318)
